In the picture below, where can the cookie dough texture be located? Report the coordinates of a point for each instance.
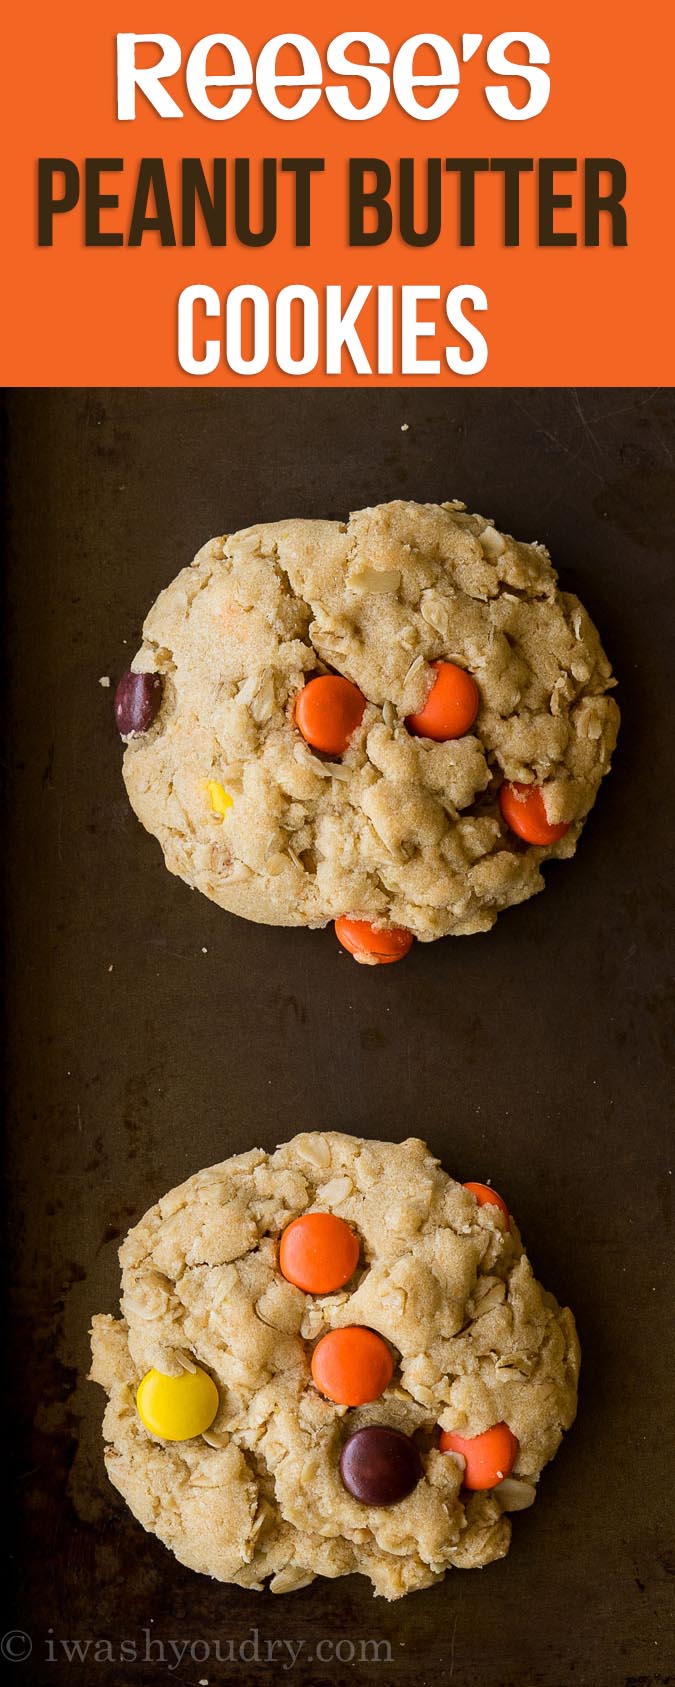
(474, 1337)
(401, 830)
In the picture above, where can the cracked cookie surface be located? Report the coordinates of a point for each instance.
(401, 831)
(474, 1338)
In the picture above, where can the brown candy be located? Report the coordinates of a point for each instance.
(137, 701)
(380, 1466)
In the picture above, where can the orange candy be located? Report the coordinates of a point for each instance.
(327, 712)
(488, 1457)
(523, 810)
(366, 941)
(318, 1253)
(451, 707)
(487, 1197)
(352, 1365)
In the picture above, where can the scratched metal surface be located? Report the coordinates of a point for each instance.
(535, 1055)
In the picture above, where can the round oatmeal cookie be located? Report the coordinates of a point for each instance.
(283, 1483)
(401, 830)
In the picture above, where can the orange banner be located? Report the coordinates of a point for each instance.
(177, 213)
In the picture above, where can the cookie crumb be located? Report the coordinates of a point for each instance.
(105, 681)
(205, 951)
(405, 427)
(110, 968)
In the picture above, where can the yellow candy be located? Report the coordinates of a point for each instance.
(219, 797)
(177, 1408)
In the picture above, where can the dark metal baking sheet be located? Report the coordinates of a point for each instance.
(150, 1034)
